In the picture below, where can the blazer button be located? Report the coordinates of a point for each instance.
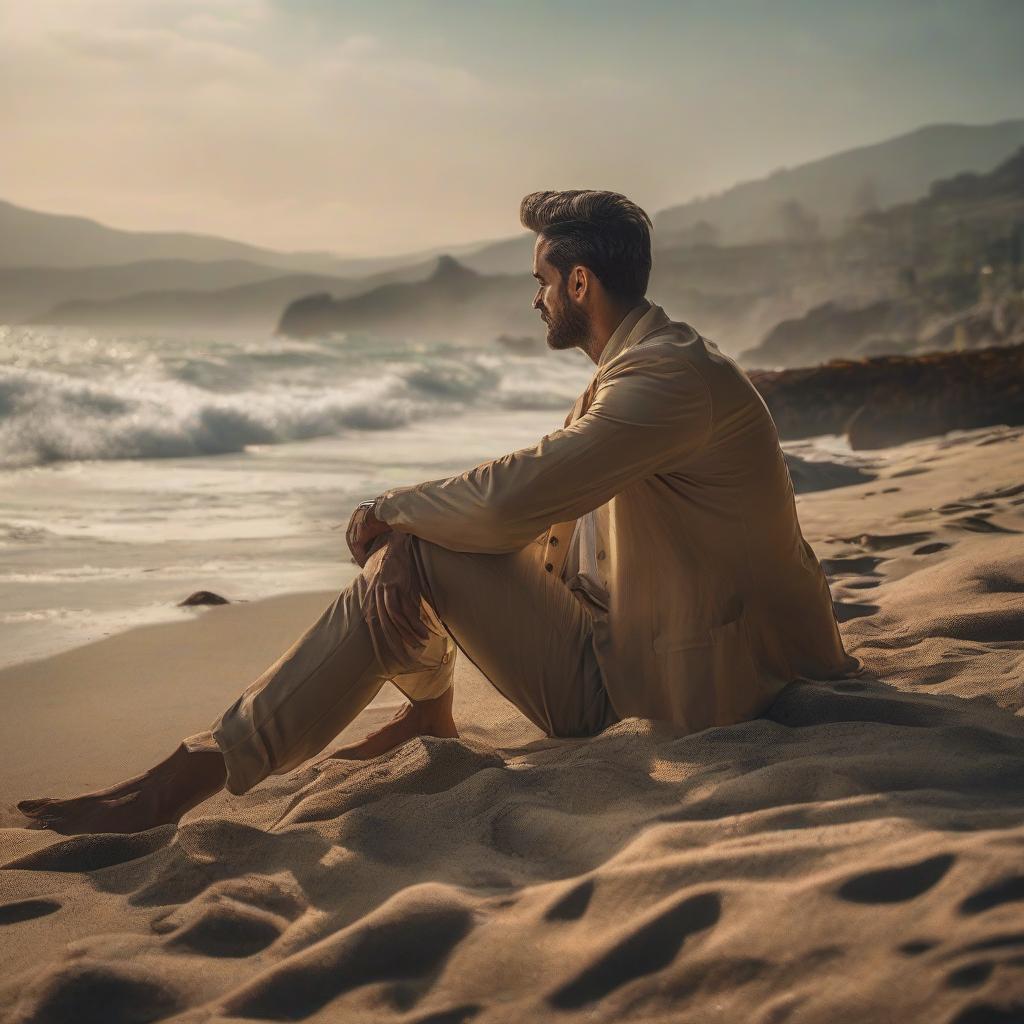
(549, 567)
(600, 555)
(553, 542)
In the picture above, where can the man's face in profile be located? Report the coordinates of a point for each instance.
(568, 324)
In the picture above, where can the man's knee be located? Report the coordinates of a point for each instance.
(433, 567)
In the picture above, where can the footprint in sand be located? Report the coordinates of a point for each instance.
(227, 930)
(88, 992)
(917, 946)
(896, 885)
(26, 910)
(91, 852)
(236, 917)
(643, 950)
(1004, 492)
(851, 565)
(1008, 890)
(970, 976)
(573, 904)
(931, 549)
(988, 1013)
(409, 937)
(952, 507)
(885, 541)
(847, 610)
(980, 524)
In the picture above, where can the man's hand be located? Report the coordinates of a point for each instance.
(363, 528)
(392, 602)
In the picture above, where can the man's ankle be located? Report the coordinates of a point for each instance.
(434, 708)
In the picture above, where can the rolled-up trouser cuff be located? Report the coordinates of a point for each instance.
(238, 781)
(247, 758)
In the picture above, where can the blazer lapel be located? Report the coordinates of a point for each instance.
(556, 541)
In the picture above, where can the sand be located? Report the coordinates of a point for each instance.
(855, 855)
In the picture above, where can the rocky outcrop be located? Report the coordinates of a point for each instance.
(454, 303)
(831, 330)
(892, 399)
(888, 326)
(944, 272)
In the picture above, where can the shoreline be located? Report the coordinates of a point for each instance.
(143, 686)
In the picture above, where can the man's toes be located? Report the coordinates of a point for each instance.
(34, 808)
(31, 805)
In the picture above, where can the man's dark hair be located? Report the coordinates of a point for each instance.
(603, 231)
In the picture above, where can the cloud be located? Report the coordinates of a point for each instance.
(193, 115)
(380, 127)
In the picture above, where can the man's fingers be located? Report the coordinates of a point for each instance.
(351, 539)
(356, 534)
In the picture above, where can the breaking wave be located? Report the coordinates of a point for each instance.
(146, 398)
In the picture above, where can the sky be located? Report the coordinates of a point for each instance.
(373, 127)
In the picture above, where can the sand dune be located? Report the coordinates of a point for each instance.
(856, 855)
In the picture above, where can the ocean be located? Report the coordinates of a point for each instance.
(137, 468)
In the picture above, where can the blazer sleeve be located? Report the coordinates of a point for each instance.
(650, 410)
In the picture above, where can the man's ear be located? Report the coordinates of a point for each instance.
(578, 282)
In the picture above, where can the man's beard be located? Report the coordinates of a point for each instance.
(568, 327)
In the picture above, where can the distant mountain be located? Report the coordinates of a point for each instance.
(29, 291)
(255, 305)
(821, 196)
(455, 303)
(31, 238)
(953, 263)
(507, 256)
(733, 293)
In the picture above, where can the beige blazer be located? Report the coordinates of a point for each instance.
(715, 600)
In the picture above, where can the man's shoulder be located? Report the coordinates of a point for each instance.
(677, 340)
(665, 344)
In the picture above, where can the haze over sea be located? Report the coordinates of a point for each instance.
(138, 468)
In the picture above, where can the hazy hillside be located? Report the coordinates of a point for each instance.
(831, 190)
(252, 306)
(900, 280)
(949, 271)
(734, 293)
(27, 292)
(31, 238)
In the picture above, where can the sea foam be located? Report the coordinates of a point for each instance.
(64, 396)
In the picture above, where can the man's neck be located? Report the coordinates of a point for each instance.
(604, 326)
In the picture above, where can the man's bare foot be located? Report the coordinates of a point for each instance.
(159, 796)
(417, 718)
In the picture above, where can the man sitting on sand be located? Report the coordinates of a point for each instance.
(645, 560)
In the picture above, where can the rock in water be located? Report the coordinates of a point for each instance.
(202, 597)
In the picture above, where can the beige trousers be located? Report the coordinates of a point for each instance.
(522, 628)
